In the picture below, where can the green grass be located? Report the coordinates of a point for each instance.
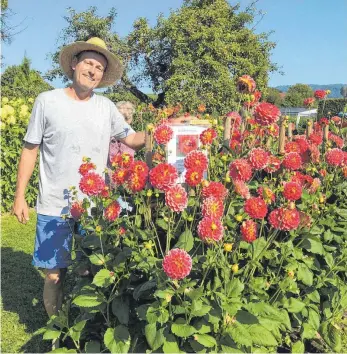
(22, 310)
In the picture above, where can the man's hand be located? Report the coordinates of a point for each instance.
(21, 210)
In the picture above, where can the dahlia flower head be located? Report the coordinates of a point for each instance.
(266, 113)
(284, 219)
(163, 134)
(240, 169)
(176, 198)
(248, 231)
(177, 264)
(210, 230)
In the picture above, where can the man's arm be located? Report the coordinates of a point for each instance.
(25, 170)
(135, 141)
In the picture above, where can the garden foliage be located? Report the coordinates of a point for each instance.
(331, 107)
(15, 114)
(250, 258)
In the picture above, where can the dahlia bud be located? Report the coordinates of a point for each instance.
(84, 159)
(227, 179)
(150, 127)
(321, 200)
(98, 228)
(291, 205)
(228, 247)
(291, 274)
(111, 274)
(238, 217)
(156, 195)
(148, 245)
(149, 193)
(190, 218)
(224, 157)
(235, 268)
(309, 123)
(205, 183)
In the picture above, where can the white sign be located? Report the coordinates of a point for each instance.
(185, 139)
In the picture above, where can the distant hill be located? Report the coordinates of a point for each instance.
(334, 88)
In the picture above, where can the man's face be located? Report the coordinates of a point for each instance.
(89, 69)
(127, 111)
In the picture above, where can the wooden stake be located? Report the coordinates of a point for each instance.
(326, 133)
(149, 147)
(290, 131)
(282, 137)
(227, 128)
(309, 128)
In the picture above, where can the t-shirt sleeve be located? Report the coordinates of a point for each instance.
(120, 129)
(36, 125)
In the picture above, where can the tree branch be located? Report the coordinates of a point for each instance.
(134, 90)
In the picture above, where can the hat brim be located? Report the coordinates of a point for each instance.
(114, 69)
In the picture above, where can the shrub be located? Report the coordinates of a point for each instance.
(332, 105)
(15, 116)
(242, 281)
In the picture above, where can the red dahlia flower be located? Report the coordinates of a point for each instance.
(136, 182)
(207, 136)
(215, 189)
(302, 142)
(91, 184)
(267, 194)
(196, 160)
(308, 102)
(256, 208)
(163, 176)
(273, 130)
(86, 167)
(212, 207)
(235, 145)
(193, 177)
(249, 231)
(240, 169)
(324, 121)
(284, 219)
(120, 176)
(76, 210)
(163, 134)
(176, 198)
(292, 191)
(304, 180)
(292, 161)
(187, 143)
(241, 188)
(245, 84)
(292, 146)
(336, 139)
(210, 230)
(124, 160)
(139, 167)
(266, 113)
(177, 264)
(112, 211)
(258, 158)
(334, 157)
(235, 119)
(336, 120)
(320, 94)
(316, 138)
(253, 99)
(274, 163)
(314, 185)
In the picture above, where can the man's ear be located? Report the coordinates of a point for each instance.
(74, 63)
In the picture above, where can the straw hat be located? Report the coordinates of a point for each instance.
(114, 69)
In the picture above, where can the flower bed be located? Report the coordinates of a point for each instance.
(251, 259)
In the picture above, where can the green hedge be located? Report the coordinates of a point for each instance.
(332, 105)
(15, 115)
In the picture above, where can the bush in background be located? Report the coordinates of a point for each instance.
(332, 105)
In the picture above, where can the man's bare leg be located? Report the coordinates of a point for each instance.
(53, 290)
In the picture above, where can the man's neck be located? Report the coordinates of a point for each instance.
(77, 94)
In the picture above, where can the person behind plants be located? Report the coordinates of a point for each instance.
(65, 125)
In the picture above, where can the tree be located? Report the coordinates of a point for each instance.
(273, 96)
(296, 95)
(194, 56)
(343, 91)
(20, 80)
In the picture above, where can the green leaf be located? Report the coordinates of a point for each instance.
(88, 300)
(245, 317)
(205, 340)
(154, 338)
(262, 336)
(51, 334)
(304, 274)
(103, 278)
(332, 336)
(257, 247)
(240, 334)
(163, 224)
(294, 305)
(298, 347)
(308, 332)
(181, 329)
(186, 240)
(313, 318)
(76, 330)
(234, 287)
(314, 296)
(117, 340)
(195, 293)
(140, 289)
(342, 213)
(120, 308)
(313, 244)
(199, 309)
(92, 347)
(202, 326)
(170, 344)
(97, 259)
(63, 350)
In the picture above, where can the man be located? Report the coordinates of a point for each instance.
(65, 125)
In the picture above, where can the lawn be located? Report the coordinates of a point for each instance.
(22, 311)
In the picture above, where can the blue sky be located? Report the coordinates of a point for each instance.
(311, 35)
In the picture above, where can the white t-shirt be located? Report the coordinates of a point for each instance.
(67, 130)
